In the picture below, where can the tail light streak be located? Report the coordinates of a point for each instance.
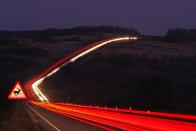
(118, 118)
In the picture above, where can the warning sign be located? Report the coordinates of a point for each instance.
(17, 92)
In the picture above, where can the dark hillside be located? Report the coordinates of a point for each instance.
(142, 75)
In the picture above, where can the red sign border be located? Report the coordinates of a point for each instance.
(11, 98)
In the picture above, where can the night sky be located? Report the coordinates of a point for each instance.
(151, 17)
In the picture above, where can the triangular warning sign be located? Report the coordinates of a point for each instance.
(17, 92)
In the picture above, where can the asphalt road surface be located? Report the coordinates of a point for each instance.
(51, 121)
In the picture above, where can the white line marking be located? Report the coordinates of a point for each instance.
(47, 121)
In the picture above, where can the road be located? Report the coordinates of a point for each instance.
(61, 116)
(112, 119)
(52, 121)
(32, 87)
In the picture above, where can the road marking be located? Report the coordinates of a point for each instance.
(47, 121)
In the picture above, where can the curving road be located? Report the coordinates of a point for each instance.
(32, 88)
(61, 116)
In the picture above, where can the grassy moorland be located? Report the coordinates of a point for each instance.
(155, 73)
(25, 54)
(152, 75)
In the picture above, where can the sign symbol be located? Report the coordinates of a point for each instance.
(17, 92)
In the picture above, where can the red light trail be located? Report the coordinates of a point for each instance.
(117, 119)
(105, 118)
(34, 92)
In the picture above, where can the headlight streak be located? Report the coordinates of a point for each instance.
(35, 85)
(75, 56)
(106, 117)
(98, 46)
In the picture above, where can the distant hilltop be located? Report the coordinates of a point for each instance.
(173, 35)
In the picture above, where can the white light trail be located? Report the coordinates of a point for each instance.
(98, 46)
(35, 85)
(36, 90)
(53, 72)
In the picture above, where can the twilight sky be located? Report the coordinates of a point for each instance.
(151, 17)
